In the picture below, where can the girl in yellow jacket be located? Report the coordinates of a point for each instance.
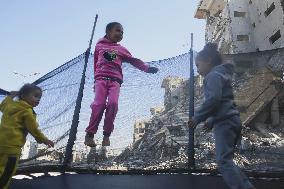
(18, 120)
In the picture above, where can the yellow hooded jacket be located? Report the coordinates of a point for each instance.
(18, 120)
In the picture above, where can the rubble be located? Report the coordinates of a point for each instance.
(164, 144)
(259, 95)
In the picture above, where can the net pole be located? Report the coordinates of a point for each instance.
(75, 121)
(191, 151)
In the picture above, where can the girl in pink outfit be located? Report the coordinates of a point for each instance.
(108, 58)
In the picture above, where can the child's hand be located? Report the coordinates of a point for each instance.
(49, 143)
(191, 123)
(153, 70)
(13, 94)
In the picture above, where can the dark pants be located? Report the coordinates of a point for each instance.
(226, 134)
(8, 166)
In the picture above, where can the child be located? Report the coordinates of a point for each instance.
(221, 114)
(108, 58)
(18, 120)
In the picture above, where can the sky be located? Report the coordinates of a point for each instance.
(38, 36)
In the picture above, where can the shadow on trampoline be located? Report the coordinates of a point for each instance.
(88, 181)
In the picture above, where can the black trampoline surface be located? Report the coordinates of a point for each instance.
(92, 181)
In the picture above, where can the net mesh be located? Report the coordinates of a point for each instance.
(150, 128)
(60, 89)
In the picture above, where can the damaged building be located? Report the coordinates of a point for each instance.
(241, 26)
(140, 127)
(250, 35)
(259, 95)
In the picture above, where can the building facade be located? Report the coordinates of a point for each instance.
(241, 26)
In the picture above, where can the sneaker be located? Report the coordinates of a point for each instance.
(106, 141)
(89, 141)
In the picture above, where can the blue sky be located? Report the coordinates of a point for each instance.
(38, 36)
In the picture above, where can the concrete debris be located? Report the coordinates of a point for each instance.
(164, 143)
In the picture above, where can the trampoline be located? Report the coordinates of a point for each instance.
(165, 181)
(164, 146)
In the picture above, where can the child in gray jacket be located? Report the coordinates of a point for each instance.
(220, 113)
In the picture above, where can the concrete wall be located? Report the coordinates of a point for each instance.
(218, 29)
(242, 26)
(266, 26)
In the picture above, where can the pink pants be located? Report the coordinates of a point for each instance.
(106, 98)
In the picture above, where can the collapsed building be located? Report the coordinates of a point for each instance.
(259, 96)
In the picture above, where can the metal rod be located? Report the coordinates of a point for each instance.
(191, 152)
(75, 122)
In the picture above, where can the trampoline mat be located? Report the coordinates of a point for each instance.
(91, 181)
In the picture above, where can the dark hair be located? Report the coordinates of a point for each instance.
(210, 53)
(111, 25)
(27, 89)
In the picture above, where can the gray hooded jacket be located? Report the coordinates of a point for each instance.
(219, 103)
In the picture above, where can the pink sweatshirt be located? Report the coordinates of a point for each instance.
(112, 68)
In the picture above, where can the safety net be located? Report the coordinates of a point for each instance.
(151, 130)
